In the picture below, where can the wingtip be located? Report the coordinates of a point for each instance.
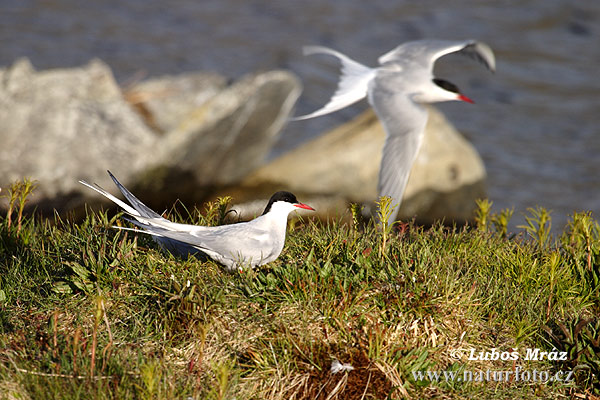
(114, 178)
(488, 55)
(313, 49)
(320, 112)
(87, 184)
(299, 118)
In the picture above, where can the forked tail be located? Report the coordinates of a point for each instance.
(352, 87)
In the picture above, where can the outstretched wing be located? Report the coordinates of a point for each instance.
(404, 124)
(352, 86)
(428, 51)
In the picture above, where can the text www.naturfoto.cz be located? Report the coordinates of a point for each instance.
(518, 375)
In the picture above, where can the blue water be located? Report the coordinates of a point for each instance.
(536, 121)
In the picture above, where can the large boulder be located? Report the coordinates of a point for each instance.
(171, 137)
(62, 125)
(343, 165)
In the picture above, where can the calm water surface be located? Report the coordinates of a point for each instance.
(536, 121)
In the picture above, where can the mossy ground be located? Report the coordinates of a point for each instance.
(92, 312)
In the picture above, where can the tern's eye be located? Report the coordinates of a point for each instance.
(446, 85)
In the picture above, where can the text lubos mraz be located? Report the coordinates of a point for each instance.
(530, 354)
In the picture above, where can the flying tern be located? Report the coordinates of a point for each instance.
(397, 90)
(236, 246)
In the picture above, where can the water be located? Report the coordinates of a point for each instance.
(536, 121)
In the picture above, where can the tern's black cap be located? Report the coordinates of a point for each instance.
(451, 87)
(280, 196)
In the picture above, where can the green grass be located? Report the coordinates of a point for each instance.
(91, 312)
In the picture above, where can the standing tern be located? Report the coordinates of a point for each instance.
(240, 245)
(397, 90)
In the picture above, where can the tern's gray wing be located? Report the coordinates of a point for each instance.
(228, 244)
(404, 123)
(426, 52)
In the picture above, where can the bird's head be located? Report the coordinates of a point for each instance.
(284, 202)
(442, 90)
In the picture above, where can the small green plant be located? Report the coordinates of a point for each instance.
(356, 211)
(222, 373)
(482, 214)
(581, 242)
(97, 319)
(385, 208)
(18, 194)
(500, 221)
(538, 225)
(484, 217)
(150, 374)
(552, 263)
(216, 211)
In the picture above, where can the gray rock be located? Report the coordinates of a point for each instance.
(63, 125)
(59, 126)
(343, 164)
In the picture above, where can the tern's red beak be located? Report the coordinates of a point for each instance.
(465, 98)
(305, 206)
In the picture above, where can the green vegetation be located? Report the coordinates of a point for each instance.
(92, 312)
